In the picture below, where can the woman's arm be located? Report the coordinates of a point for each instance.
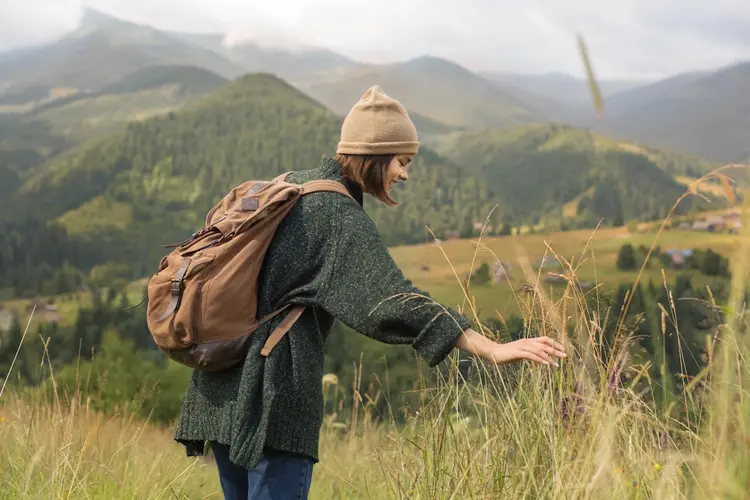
(539, 349)
(367, 291)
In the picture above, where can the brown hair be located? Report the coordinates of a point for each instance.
(369, 172)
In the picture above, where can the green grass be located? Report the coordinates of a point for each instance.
(96, 214)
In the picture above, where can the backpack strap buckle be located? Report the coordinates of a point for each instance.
(176, 287)
(175, 290)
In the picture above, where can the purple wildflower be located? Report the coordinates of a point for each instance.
(571, 404)
(663, 439)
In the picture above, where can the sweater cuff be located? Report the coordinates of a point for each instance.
(438, 338)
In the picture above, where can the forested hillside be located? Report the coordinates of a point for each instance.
(537, 169)
(23, 145)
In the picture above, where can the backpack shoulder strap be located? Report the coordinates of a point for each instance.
(324, 185)
(281, 177)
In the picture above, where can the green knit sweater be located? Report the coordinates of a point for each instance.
(328, 255)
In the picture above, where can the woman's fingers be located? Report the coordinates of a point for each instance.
(537, 350)
(555, 345)
(532, 356)
(542, 348)
(552, 351)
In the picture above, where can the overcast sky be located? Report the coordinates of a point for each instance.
(626, 38)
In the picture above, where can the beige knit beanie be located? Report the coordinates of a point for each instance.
(378, 125)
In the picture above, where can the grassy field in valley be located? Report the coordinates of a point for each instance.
(592, 253)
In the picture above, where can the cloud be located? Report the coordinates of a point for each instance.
(627, 38)
(28, 23)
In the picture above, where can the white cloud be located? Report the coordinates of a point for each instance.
(24, 22)
(626, 38)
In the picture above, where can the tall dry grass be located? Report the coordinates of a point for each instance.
(67, 451)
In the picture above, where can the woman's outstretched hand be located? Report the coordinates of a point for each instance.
(542, 350)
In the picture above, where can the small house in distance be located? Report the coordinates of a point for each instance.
(678, 256)
(711, 224)
(48, 312)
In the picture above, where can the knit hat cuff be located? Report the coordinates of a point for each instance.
(378, 148)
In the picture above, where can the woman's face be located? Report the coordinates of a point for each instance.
(397, 171)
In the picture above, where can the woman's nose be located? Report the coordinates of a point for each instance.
(404, 175)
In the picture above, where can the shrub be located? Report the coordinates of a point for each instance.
(626, 258)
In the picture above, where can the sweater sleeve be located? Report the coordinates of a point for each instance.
(369, 293)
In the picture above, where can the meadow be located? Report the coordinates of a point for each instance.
(592, 254)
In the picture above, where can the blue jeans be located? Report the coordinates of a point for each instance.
(277, 476)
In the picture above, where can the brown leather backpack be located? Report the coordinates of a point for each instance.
(202, 301)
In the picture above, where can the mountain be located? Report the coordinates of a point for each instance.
(637, 97)
(209, 41)
(189, 79)
(430, 131)
(116, 200)
(297, 67)
(558, 171)
(429, 86)
(100, 52)
(137, 96)
(564, 89)
(29, 139)
(702, 113)
(152, 183)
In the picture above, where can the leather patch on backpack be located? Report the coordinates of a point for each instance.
(250, 204)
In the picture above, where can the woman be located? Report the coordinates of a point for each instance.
(263, 418)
